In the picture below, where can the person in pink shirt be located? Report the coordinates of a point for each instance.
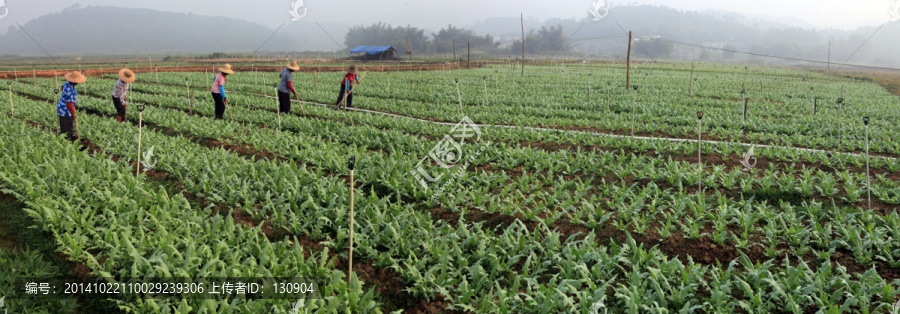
(218, 90)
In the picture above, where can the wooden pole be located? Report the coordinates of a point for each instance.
(316, 79)
(137, 171)
(191, 113)
(351, 164)
(468, 54)
(691, 88)
(628, 64)
(868, 177)
(607, 95)
(699, 155)
(459, 97)
(11, 110)
(454, 50)
(522, 16)
(633, 111)
(33, 76)
(746, 102)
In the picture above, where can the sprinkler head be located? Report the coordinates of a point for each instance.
(457, 81)
(866, 120)
(695, 79)
(841, 100)
(635, 87)
(8, 82)
(351, 163)
(141, 108)
(608, 83)
(56, 91)
(484, 77)
(590, 74)
(700, 115)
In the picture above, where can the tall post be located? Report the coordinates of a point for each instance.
(351, 164)
(699, 155)
(11, 111)
(691, 88)
(140, 109)
(868, 180)
(522, 15)
(468, 54)
(628, 63)
(840, 127)
(454, 50)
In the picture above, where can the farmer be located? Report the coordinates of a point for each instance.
(286, 87)
(218, 90)
(65, 109)
(126, 77)
(347, 87)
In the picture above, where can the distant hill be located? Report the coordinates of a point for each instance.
(110, 30)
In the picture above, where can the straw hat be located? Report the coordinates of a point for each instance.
(226, 69)
(127, 76)
(352, 69)
(293, 66)
(75, 77)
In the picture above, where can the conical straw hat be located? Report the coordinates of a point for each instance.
(75, 77)
(127, 75)
(293, 66)
(226, 69)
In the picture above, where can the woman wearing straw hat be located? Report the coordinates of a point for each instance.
(347, 87)
(65, 108)
(218, 90)
(126, 77)
(286, 87)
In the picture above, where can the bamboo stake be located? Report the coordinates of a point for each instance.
(608, 83)
(33, 76)
(316, 79)
(699, 155)
(484, 79)
(459, 97)
(633, 109)
(11, 110)
(191, 113)
(868, 177)
(352, 165)
(691, 88)
(137, 171)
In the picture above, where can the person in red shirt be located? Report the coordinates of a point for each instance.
(347, 87)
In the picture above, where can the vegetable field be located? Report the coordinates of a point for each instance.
(579, 193)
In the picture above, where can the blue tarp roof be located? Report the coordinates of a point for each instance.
(372, 50)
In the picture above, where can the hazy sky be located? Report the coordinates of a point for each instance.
(432, 14)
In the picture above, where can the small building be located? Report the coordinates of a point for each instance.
(373, 52)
